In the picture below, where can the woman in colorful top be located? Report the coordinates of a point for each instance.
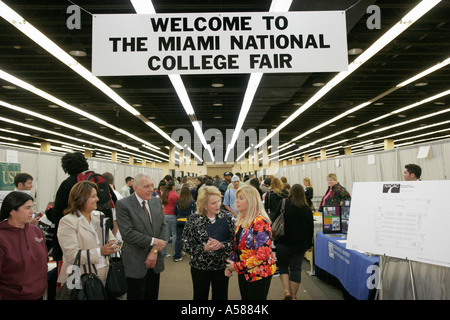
(207, 255)
(335, 195)
(252, 258)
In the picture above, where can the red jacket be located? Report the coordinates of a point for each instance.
(169, 207)
(23, 262)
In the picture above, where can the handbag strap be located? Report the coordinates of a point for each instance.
(89, 263)
(283, 204)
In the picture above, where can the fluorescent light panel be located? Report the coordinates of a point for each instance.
(38, 115)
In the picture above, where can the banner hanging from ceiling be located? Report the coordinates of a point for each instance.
(217, 43)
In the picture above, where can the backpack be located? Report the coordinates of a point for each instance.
(104, 193)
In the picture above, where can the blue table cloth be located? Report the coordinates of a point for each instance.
(349, 266)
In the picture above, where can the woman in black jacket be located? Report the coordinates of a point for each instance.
(298, 238)
(274, 197)
(184, 207)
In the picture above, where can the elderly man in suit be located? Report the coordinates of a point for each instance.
(141, 223)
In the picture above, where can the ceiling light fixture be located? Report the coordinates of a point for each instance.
(253, 83)
(217, 83)
(355, 51)
(255, 79)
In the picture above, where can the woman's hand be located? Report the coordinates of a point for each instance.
(212, 245)
(109, 248)
(229, 268)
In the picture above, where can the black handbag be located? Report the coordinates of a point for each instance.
(87, 287)
(92, 287)
(278, 224)
(116, 283)
(66, 293)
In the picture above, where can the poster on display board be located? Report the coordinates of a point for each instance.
(218, 43)
(403, 219)
(8, 171)
(331, 220)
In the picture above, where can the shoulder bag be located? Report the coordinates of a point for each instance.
(116, 284)
(278, 224)
(91, 286)
(88, 287)
(65, 293)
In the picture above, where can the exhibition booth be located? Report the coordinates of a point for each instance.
(395, 241)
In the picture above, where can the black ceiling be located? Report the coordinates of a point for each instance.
(422, 45)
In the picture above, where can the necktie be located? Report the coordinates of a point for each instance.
(146, 212)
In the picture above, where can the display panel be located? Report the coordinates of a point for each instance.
(331, 220)
(345, 218)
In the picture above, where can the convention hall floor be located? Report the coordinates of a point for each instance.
(176, 284)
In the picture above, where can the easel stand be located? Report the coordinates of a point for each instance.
(383, 265)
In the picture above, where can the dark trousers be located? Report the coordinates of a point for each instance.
(202, 280)
(146, 288)
(256, 290)
(289, 261)
(180, 228)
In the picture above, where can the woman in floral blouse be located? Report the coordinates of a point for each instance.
(252, 258)
(335, 195)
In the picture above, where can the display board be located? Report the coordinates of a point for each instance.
(345, 218)
(407, 220)
(331, 220)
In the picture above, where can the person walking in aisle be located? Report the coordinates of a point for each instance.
(252, 257)
(230, 196)
(142, 225)
(184, 207)
(298, 238)
(23, 252)
(208, 255)
(169, 198)
(80, 229)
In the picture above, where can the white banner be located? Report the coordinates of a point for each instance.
(215, 43)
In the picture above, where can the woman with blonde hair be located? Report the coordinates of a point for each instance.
(208, 255)
(335, 194)
(274, 197)
(252, 258)
(309, 191)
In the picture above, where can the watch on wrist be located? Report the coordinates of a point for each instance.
(154, 250)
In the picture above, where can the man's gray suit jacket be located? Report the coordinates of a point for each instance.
(137, 234)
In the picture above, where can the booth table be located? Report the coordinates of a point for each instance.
(348, 266)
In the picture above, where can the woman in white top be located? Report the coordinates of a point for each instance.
(80, 229)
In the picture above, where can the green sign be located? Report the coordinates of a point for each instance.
(8, 172)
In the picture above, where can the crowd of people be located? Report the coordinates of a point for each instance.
(224, 224)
